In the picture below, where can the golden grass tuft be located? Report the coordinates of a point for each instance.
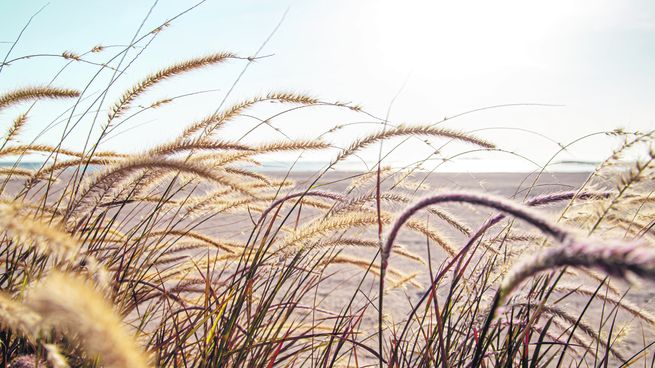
(25, 231)
(19, 318)
(124, 102)
(404, 130)
(16, 127)
(211, 123)
(116, 173)
(72, 305)
(35, 93)
(194, 144)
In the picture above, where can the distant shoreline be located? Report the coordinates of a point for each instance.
(314, 167)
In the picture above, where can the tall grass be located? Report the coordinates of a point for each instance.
(185, 254)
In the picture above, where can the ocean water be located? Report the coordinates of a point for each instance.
(467, 165)
(463, 165)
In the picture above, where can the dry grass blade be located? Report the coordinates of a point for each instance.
(117, 173)
(212, 122)
(123, 103)
(19, 318)
(433, 235)
(368, 243)
(622, 303)
(404, 280)
(35, 93)
(297, 145)
(64, 164)
(16, 171)
(486, 200)
(399, 198)
(403, 130)
(16, 127)
(321, 227)
(228, 247)
(72, 305)
(247, 173)
(581, 325)
(32, 148)
(55, 357)
(24, 230)
(616, 259)
(372, 268)
(195, 144)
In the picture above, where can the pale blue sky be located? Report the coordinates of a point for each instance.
(596, 58)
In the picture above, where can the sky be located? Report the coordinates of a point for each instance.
(567, 68)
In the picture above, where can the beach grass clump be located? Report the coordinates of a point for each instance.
(188, 253)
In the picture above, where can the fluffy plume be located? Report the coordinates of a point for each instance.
(611, 299)
(403, 130)
(212, 122)
(19, 318)
(25, 230)
(74, 307)
(116, 173)
(192, 235)
(124, 102)
(195, 144)
(616, 259)
(34, 93)
(25, 149)
(16, 127)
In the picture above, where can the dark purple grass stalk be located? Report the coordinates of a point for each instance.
(486, 200)
(616, 259)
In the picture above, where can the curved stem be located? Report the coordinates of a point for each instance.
(486, 200)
